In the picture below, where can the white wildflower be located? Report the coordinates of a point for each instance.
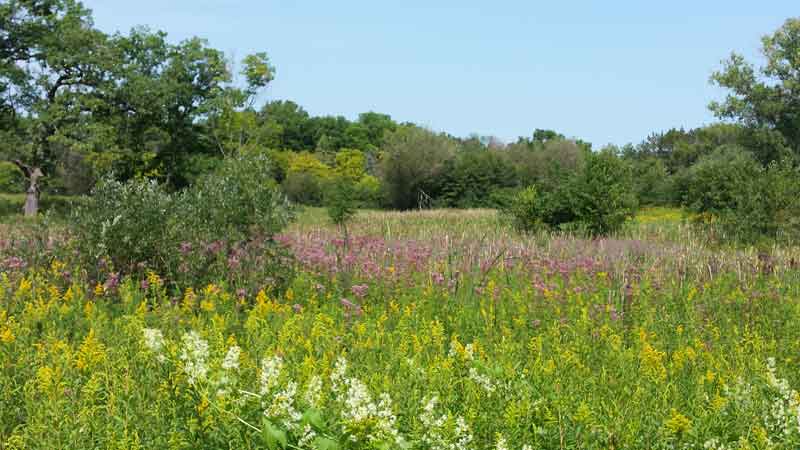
(307, 437)
(469, 352)
(463, 435)
(482, 380)
(313, 394)
(784, 414)
(501, 443)
(282, 407)
(231, 361)
(154, 340)
(360, 409)
(270, 371)
(437, 434)
(358, 401)
(338, 374)
(194, 355)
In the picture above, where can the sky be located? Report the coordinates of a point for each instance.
(603, 71)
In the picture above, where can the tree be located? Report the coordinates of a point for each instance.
(287, 126)
(767, 99)
(233, 122)
(413, 159)
(52, 60)
(162, 96)
(132, 103)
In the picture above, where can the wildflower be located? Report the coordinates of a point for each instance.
(270, 371)
(313, 394)
(338, 374)
(194, 355)
(784, 413)
(283, 406)
(482, 380)
(112, 282)
(91, 352)
(154, 340)
(678, 424)
(359, 290)
(231, 360)
(501, 443)
(307, 437)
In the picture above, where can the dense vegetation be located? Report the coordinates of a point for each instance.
(425, 330)
(81, 105)
(639, 297)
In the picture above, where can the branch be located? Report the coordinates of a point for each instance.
(23, 167)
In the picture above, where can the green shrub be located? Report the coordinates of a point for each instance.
(739, 200)
(239, 199)
(413, 161)
(304, 188)
(525, 211)
(596, 200)
(127, 223)
(12, 181)
(603, 194)
(228, 215)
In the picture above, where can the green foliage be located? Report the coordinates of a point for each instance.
(340, 201)
(12, 181)
(652, 182)
(597, 200)
(58, 205)
(525, 211)
(546, 162)
(413, 160)
(128, 223)
(239, 199)
(138, 224)
(472, 176)
(765, 99)
(741, 200)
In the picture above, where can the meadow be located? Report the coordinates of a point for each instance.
(438, 329)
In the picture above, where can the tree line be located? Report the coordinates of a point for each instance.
(78, 105)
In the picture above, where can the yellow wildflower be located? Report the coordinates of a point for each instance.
(91, 352)
(678, 424)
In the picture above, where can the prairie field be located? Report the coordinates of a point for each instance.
(436, 329)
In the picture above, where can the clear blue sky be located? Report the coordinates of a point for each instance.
(605, 71)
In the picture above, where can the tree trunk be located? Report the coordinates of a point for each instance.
(32, 196)
(32, 200)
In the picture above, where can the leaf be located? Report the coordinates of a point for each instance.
(273, 436)
(325, 443)
(314, 418)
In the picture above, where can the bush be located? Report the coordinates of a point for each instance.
(597, 200)
(741, 201)
(414, 158)
(525, 211)
(238, 200)
(127, 223)
(603, 194)
(304, 188)
(711, 184)
(202, 232)
(12, 181)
